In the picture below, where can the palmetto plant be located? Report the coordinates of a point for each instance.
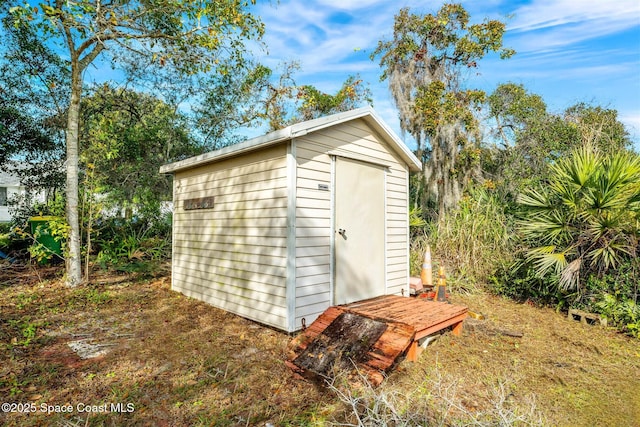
(586, 219)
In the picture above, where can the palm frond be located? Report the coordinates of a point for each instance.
(610, 254)
(545, 260)
(578, 169)
(570, 275)
(534, 199)
(549, 227)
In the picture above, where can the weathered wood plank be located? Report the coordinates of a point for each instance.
(321, 347)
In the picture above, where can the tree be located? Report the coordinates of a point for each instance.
(513, 109)
(534, 138)
(125, 137)
(425, 62)
(188, 35)
(599, 126)
(32, 108)
(32, 76)
(29, 150)
(531, 137)
(247, 98)
(315, 103)
(587, 218)
(255, 97)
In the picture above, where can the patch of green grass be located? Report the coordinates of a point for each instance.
(87, 295)
(14, 384)
(26, 330)
(25, 300)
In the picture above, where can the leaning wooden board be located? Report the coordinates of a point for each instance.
(342, 339)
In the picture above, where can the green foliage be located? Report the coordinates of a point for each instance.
(28, 149)
(615, 296)
(446, 37)
(471, 242)
(315, 103)
(33, 78)
(425, 63)
(5, 235)
(125, 137)
(533, 138)
(416, 219)
(181, 34)
(248, 97)
(31, 109)
(622, 313)
(598, 126)
(587, 218)
(189, 37)
(255, 96)
(26, 330)
(441, 107)
(137, 245)
(520, 282)
(89, 296)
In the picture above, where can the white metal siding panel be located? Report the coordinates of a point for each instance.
(292, 191)
(234, 256)
(313, 214)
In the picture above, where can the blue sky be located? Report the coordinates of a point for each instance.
(568, 51)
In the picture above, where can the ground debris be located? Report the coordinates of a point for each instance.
(88, 350)
(488, 328)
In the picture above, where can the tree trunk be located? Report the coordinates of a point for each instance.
(73, 258)
(443, 183)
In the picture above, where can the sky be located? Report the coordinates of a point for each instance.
(568, 51)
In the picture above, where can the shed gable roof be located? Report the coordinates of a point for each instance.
(300, 129)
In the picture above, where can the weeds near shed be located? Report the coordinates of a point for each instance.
(437, 401)
(470, 243)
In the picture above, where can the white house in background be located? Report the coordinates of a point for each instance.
(11, 187)
(280, 227)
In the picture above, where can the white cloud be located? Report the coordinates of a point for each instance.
(559, 45)
(328, 35)
(546, 24)
(351, 4)
(552, 13)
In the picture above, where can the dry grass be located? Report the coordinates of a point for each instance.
(178, 362)
(579, 375)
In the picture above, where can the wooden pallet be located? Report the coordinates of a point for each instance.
(390, 325)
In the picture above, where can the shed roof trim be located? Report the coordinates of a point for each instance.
(297, 130)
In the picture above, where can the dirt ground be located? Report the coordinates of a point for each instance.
(168, 360)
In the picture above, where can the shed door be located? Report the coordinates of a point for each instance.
(359, 231)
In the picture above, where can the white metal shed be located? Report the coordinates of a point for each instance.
(280, 227)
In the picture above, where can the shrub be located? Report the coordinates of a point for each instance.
(5, 235)
(520, 282)
(472, 242)
(135, 245)
(615, 297)
(586, 220)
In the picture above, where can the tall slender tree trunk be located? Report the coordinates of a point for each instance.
(73, 259)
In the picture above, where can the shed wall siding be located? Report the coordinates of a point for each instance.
(314, 230)
(234, 256)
